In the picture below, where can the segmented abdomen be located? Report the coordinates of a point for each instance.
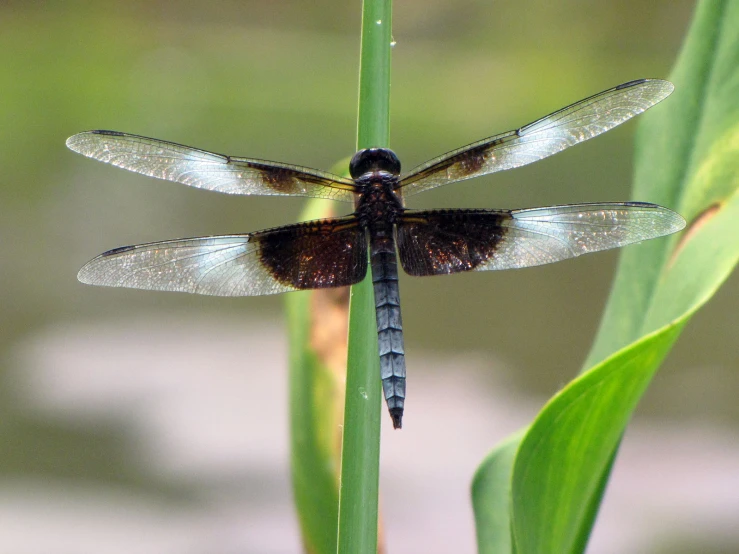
(389, 323)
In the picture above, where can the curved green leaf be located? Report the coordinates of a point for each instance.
(560, 463)
(491, 490)
(678, 164)
(687, 152)
(315, 400)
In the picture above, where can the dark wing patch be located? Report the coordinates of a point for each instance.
(448, 241)
(316, 254)
(547, 136)
(207, 170)
(451, 241)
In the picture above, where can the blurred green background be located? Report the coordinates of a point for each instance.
(278, 80)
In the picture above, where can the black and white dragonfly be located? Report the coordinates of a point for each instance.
(337, 252)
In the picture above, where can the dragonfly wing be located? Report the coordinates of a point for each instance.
(452, 241)
(311, 255)
(551, 134)
(207, 170)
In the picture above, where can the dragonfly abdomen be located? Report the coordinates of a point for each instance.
(389, 324)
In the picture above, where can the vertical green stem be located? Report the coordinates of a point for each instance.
(360, 460)
(374, 75)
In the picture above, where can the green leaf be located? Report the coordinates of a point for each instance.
(687, 152)
(491, 490)
(314, 422)
(687, 142)
(559, 467)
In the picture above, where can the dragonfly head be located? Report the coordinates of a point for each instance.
(370, 160)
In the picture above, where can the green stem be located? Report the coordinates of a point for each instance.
(360, 461)
(373, 127)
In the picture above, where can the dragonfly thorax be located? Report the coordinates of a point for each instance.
(379, 204)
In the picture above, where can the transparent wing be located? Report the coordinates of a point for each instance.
(452, 241)
(317, 254)
(207, 170)
(551, 134)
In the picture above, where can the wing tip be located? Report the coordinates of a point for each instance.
(647, 80)
(660, 88)
(73, 142)
(89, 273)
(674, 222)
(76, 141)
(666, 87)
(84, 275)
(114, 251)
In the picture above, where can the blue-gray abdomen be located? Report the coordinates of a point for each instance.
(389, 323)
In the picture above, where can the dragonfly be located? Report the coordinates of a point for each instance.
(337, 252)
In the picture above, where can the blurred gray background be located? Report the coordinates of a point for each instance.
(128, 419)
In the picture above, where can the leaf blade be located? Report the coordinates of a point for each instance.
(685, 159)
